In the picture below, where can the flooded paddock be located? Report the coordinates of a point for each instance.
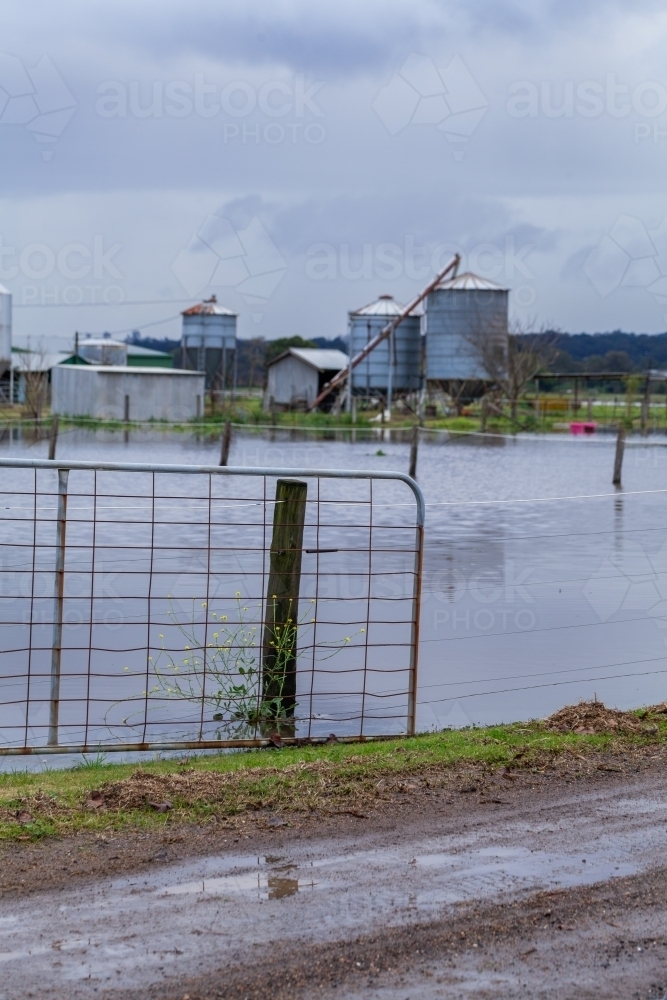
(541, 584)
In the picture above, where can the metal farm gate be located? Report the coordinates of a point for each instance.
(167, 607)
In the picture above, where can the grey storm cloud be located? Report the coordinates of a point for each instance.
(342, 37)
(358, 127)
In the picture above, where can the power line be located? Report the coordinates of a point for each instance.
(143, 326)
(86, 305)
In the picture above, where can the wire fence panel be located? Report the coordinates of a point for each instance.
(135, 612)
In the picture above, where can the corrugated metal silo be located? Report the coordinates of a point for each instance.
(103, 351)
(466, 316)
(5, 329)
(208, 342)
(372, 374)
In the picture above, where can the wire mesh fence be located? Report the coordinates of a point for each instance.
(179, 606)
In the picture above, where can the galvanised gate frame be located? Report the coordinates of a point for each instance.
(134, 595)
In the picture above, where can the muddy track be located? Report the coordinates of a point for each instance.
(609, 940)
(539, 885)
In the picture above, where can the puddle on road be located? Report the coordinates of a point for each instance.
(452, 876)
(274, 878)
(488, 870)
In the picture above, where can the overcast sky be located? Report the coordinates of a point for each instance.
(298, 158)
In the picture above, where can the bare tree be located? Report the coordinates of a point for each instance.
(35, 380)
(511, 357)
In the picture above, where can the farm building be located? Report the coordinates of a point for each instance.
(117, 392)
(297, 376)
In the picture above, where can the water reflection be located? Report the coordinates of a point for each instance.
(274, 878)
(618, 524)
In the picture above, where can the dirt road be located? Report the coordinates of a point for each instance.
(527, 889)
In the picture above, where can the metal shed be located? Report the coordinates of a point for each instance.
(117, 392)
(463, 314)
(208, 342)
(296, 377)
(372, 376)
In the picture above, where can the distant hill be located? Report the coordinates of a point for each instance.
(154, 343)
(616, 351)
(336, 344)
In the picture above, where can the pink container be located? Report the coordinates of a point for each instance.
(583, 427)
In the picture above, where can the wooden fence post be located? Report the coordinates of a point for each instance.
(58, 604)
(618, 460)
(484, 406)
(646, 400)
(226, 443)
(414, 449)
(53, 438)
(282, 609)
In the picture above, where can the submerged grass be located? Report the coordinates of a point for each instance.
(336, 777)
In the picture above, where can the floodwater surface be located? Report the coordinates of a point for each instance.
(542, 585)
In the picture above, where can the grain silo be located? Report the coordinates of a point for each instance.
(208, 342)
(102, 351)
(5, 329)
(466, 332)
(372, 376)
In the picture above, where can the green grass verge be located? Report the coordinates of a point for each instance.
(290, 779)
